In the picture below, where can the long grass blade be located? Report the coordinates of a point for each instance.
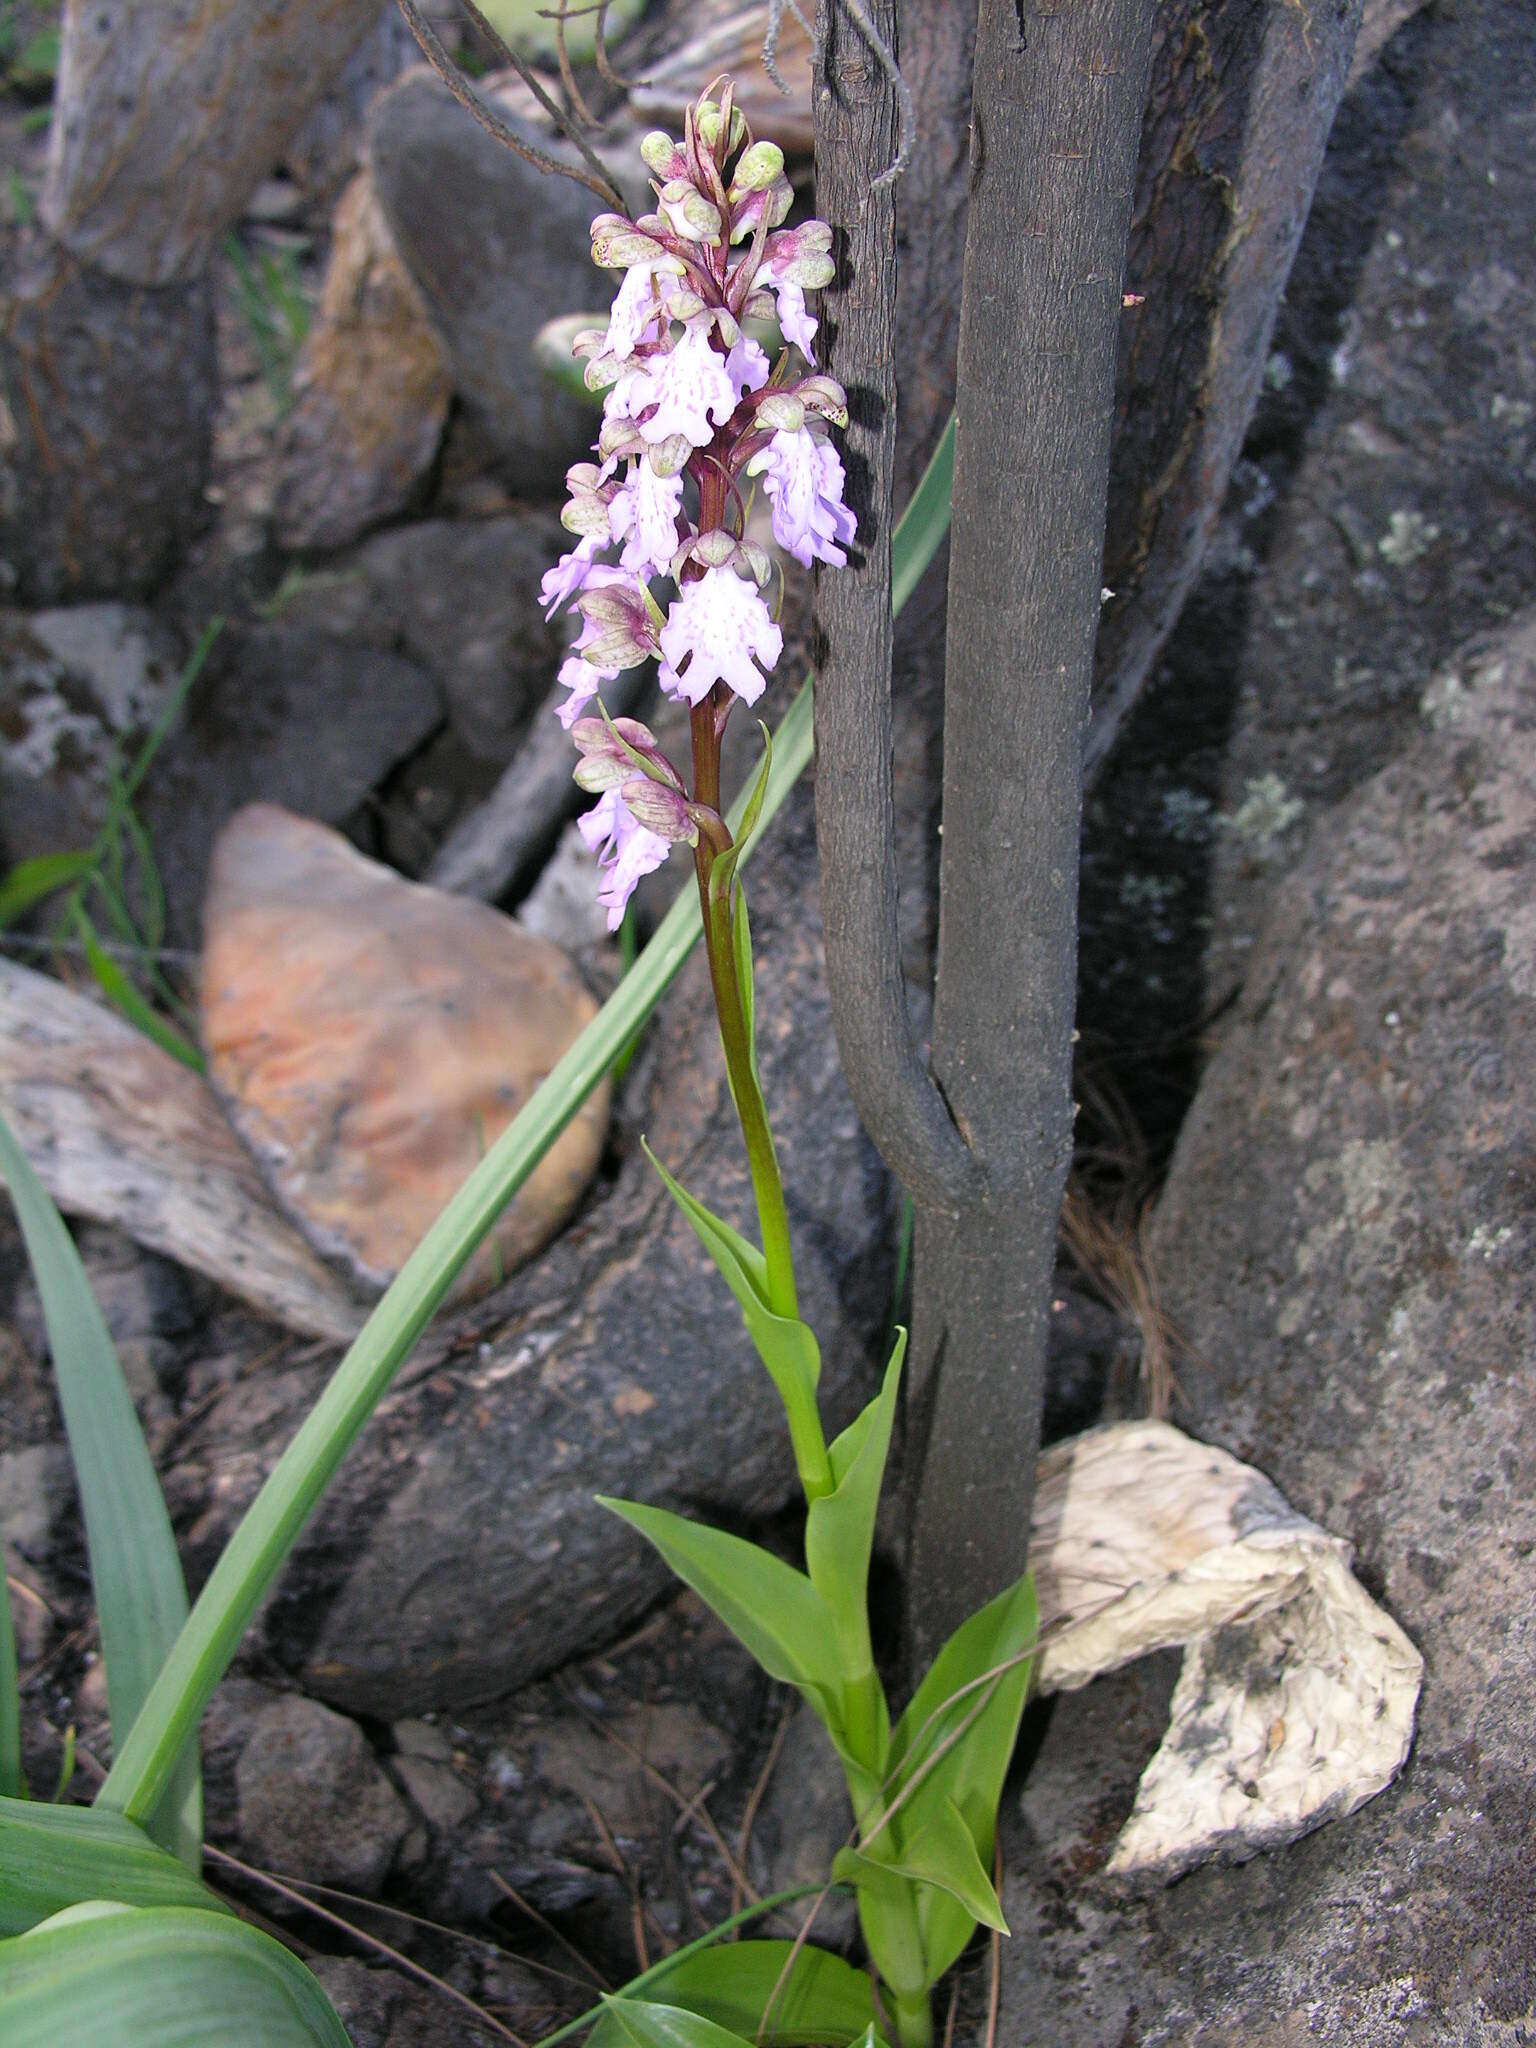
(141, 1597)
(256, 1552)
(124, 997)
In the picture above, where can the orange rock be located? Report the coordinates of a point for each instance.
(370, 1038)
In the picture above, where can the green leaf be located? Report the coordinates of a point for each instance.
(637, 2023)
(741, 941)
(787, 1347)
(773, 1609)
(774, 1992)
(941, 1854)
(245, 1572)
(980, 1722)
(57, 1856)
(33, 881)
(166, 1977)
(141, 1597)
(12, 1785)
(840, 1527)
(123, 996)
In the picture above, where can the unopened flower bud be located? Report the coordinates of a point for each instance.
(688, 212)
(757, 168)
(662, 155)
(666, 812)
(776, 409)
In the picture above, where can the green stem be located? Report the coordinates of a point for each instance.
(914, 2020)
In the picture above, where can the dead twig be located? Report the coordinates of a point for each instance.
(394, 1955)
(595, 177)
(548, 1927)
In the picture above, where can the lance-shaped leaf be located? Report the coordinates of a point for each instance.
(840, 1526)
(787, 1347)
(953, 1744)
(780, 1994)
(940, 1854)
(635, 2023)
(773, 1609)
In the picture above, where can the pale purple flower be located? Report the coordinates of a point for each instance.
(681, 392)
(797, 324)
(569, 575)
(583, 681)
(635, 312)
(719, 627)
(644, 515)
(625, 851)
(804, 479)
(747, 366)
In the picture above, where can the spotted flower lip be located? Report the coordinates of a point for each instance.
(686, 391)
(717, 632)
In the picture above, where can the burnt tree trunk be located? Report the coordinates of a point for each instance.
(167, 114)
(1056, 114)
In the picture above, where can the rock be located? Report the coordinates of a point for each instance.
(371, 391)
(442, 1796)
(79, 690)
(606, 1766)
(107, 393)
(284, 715)
(215, 93)
(371, 1039)
(496, 248)
(459, 1553)
(313, 1802)
(803, 1821)
(146, 1149)
(461, 598)
(1347, 1240)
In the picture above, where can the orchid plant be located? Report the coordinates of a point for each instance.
(694, 412)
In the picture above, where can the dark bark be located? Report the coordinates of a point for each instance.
(1242, 99)
(855, 112)
(1056, 117)
(1242, 102)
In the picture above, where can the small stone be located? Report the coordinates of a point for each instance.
(804, 1819)
(420, 1738)
(34, 1483)
(371, 391)
(371, 1039)
(445, 1800)
(313, 1801)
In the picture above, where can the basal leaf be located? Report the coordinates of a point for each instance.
(773, 1992)
(636, 2023)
